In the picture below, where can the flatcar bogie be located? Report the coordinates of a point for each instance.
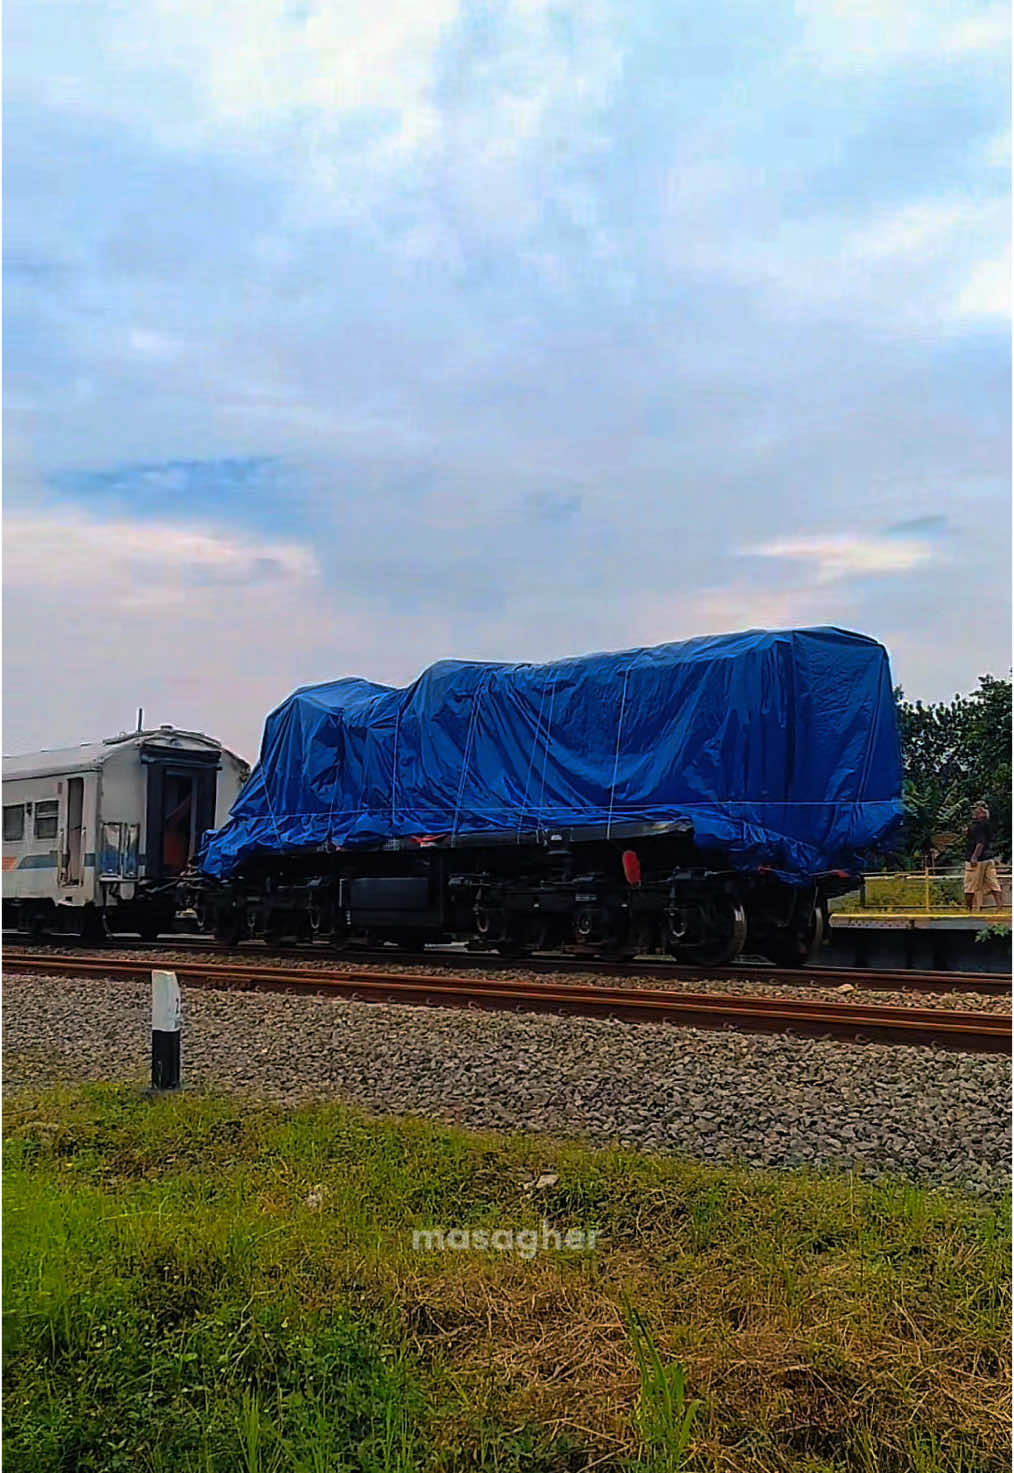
(552, 902)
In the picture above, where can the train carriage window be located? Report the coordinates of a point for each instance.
(14, 822)
(46, 818)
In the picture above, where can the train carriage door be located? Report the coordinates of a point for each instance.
(181, 805)
(75, 829)
(178, 822)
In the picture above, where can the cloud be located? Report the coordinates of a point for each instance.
(186, 67)
(516, 321)
(395, 110)
(141, 566)
(554, 506)
(933, 261)
(739, 604)
(848, 35)
(997, 151)
(832, 559)
(945, 234)
(919, 228)
(148, 344)
(931, 526)
(987, 292)
(197, 626)
(205, 628)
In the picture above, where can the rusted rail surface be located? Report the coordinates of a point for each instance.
(883, 979)
(969, 1031)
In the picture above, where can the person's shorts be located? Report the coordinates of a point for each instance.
(981, 878)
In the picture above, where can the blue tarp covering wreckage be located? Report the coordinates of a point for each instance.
(780, 747)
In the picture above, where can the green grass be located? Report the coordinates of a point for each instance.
(199, 1283)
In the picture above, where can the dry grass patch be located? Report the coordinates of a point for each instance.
(256, 1264)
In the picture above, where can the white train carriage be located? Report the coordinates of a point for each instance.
(96, 837)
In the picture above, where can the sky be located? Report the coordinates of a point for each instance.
(341, 337)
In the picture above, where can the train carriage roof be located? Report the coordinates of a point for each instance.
(92, 755)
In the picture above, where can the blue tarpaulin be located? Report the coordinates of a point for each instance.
(780, 747)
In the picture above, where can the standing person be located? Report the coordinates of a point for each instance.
(980, 870)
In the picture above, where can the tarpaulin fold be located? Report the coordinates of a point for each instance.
(780, 747)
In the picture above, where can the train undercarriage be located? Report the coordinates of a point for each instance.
(149, 913)
(592, 897)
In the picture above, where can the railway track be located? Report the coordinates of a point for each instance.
(969, 1031)
(884, 979)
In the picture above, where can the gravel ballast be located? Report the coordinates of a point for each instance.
(758, 1099)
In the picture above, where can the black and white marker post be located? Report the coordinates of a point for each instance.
(166, 1019)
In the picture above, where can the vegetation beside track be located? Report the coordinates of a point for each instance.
(956, 753)
(199, 1283)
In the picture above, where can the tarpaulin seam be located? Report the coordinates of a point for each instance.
(871, 735)
(467, 754)
(531, 756)
(545, 755)
(394, 766)
(616, 755)
(339, 737)
(271, 815)
(267, 796)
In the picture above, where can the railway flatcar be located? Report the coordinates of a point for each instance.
(96, 837)
(694, 799)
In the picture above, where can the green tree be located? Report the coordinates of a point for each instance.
(955, 753)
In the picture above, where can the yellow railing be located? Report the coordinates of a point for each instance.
(923, 892)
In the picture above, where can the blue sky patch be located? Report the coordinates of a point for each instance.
(256, 492)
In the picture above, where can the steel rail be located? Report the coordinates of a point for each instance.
(882, 979)
(969, 1031)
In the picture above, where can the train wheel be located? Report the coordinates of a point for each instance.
(414, 941)
(94, 926)
(792, 948)
(724, 945)
(618, 951)
(228, 928)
